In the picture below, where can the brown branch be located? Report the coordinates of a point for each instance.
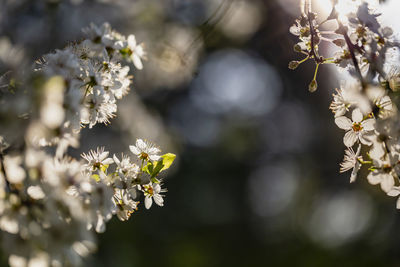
(313, 33)
(351, 47)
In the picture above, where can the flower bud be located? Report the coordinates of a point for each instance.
(297, 48)
(293, 64)
(312, 87)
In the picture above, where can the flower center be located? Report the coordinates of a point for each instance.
(357, 126)
(97, 165)
(144, 155)
(149, 190)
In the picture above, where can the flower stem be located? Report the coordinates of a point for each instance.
(316, 71)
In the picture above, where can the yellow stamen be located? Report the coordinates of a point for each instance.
(357, 127)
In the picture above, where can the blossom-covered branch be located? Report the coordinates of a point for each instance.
(366, 50)
(50, 203)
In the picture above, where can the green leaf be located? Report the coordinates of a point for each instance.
(167, 161)
(155, 180)
(148, 168)
(157, 169)
(153, 169)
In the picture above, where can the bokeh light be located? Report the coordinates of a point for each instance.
(233, 81)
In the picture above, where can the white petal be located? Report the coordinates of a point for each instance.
(137, 61)
(116, 160)
(131, 41)
(357, 116)
(343, 123)
(374, 178)
(108, 161)
(377, 151)
(103, 155)
(134, 150)
(364, 138)
(387, 182)
(156, 188)
(148, 202)
(294, 29)
(350, 138)
(394, 192)
(154, 150)
(140, 144)
(140, 51)
(353, 176)
(154, 157)
(340, 112)
(368, 125)
(158, 200)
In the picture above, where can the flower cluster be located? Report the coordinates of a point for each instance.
(42, 196)
(93, 80)
(362, 42)
(51, 205)
(364, 107)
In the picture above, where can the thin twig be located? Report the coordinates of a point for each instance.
(314, 54)
(351, 47)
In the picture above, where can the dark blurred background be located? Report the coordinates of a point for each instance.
(256, 182)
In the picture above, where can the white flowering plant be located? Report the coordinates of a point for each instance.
(367, 51)
(51, 204)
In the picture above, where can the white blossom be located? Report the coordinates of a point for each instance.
(351, 161)
(126, 169)
(384, 176)
(51, 204)
(97, 159)
(357, 129)
(152, 192)
(340, 104)
(366, 50)
(145, 150)
(126, 206)
(136, 51)
(385, 106)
